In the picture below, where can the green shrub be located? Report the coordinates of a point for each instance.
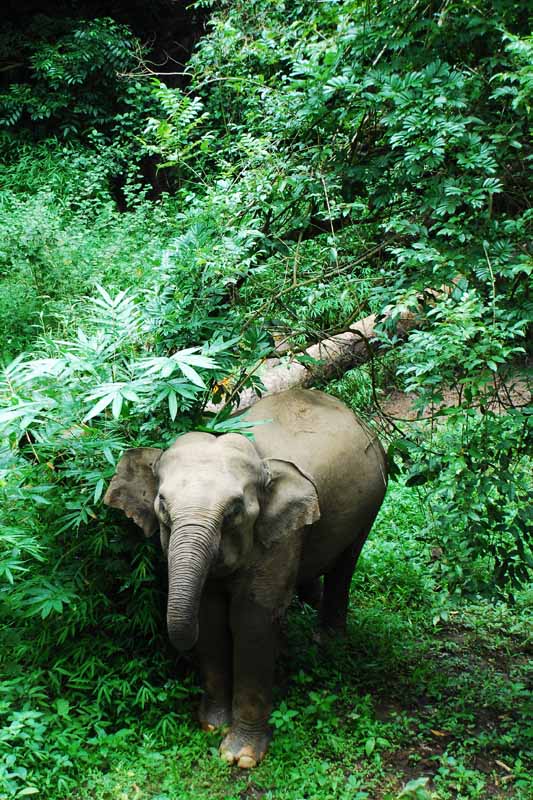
(71, 77)
(65, 418)
(50, 257)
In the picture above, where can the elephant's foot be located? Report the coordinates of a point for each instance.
(310, 593)
(214, 714)
(329, 633)
(243, 748)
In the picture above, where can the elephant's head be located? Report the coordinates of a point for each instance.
(212, 498)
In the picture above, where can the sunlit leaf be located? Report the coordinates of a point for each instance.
(172, 405)
(191, 374)
(116, 407)
(104, 402)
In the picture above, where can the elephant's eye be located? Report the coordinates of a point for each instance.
(162, 506)
(234, 508)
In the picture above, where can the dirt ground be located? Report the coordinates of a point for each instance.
(400, 406)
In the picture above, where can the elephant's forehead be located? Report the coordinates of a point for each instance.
(203, 451)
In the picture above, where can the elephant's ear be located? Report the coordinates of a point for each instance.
(290, 501)
(134, 486)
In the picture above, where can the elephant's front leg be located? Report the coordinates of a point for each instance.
(213, 651)
(254, 647)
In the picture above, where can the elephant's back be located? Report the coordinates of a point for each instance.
(298, 420)
(324, 438)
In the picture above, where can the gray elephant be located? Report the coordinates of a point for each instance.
(244, 524)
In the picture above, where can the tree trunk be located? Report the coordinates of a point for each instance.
(334, 356)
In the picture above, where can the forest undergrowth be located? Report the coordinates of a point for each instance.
(310, 164)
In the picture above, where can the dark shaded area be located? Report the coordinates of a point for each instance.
(169, 28)
(167, 31)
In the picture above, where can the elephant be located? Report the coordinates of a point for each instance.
(244, 523)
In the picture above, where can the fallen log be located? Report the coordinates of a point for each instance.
(328, 359)
(323, 361)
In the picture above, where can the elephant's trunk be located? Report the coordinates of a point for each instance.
(192, 549)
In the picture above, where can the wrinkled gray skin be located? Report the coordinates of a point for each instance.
(243, 525)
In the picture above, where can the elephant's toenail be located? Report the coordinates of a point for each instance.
(225, 755)
(247, 762)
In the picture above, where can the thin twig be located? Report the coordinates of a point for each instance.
(397, 30)
(332, 273)
(493, 284)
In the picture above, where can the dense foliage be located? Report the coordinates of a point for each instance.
(326, 160)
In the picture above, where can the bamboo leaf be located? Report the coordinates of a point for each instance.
(99, 407)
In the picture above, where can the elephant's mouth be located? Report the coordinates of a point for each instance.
(219, 569)
(234, 549)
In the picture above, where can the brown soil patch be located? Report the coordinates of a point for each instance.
(514, 393)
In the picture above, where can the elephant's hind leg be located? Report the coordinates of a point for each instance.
(337, 580)
(310, 592)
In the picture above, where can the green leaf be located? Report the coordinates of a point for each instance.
(172, 405)
(197, 360)
(370, 745)
(108, 455)
(416, 789)
(100, 405)
(117, 405)
(98, 489)
(130, 395)
(191, 374)
(62, 707)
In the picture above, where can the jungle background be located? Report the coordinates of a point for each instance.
(184, 187)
